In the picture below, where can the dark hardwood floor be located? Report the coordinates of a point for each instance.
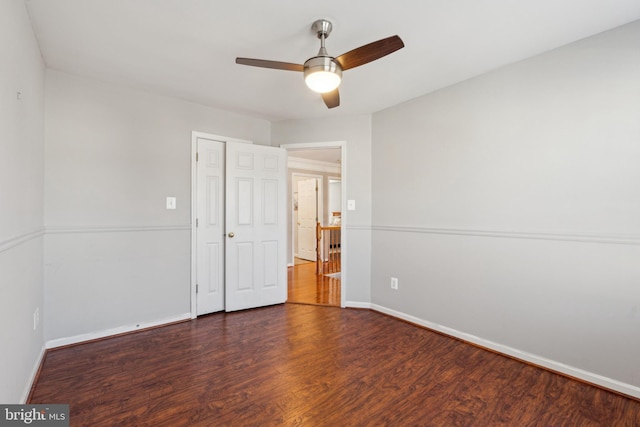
(304, 365)
(306, 287)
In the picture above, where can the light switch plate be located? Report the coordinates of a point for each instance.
(351, 205)
(171, 202)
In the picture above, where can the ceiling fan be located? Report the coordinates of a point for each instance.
(323, 73)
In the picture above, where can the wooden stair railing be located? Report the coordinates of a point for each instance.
(327, 249)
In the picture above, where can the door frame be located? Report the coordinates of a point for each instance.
(329, 179)
(319, 205)
(194, 207)
(343, 175)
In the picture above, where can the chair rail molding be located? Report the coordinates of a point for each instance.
(114, 229)
(21, 238)
(621, 239)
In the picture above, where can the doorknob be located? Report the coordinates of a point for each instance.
(231, 235)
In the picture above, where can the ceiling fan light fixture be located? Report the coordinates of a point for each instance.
(322, 74)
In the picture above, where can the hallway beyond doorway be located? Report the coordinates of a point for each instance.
(306, 287)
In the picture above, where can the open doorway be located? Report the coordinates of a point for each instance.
(316, 188)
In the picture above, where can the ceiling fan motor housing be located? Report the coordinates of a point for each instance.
(322, 73)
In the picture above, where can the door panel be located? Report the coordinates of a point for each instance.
(270, 251)
(255, 226)
(270, 191)
(243, 258)
(244, 199)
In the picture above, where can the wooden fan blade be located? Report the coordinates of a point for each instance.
(331, 99)
(369, 52)
(263, 63)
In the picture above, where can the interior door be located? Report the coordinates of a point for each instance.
(210, 229)
(307, 218)
(256, 266)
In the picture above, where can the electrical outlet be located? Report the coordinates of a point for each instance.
(394, 283)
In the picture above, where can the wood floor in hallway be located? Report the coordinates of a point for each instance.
(307, 287)
(305, 365)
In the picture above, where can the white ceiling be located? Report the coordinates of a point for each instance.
(187, 48)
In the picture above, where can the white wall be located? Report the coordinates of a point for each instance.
(356, 131)
(509, 208)
(21, 208)
(115, 258)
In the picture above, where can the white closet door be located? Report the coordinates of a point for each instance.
(256, 268)
(210, 231)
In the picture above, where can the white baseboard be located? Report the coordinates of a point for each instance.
(357, 304)
(589, 377)
(32, 377)
(59, 342)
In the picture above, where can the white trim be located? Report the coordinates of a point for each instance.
(312, 165)
(14, 241)
(622, 239)
(195, 135)
(32, 376)
(357, 304)
(553, 365)
(194, 210)
(59, 342)
(343, 174)
(114, 229)
(356, 227)
(312, 145)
